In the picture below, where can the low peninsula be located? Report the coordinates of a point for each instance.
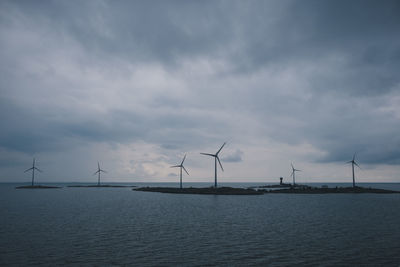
(105, 185)
(201, 191)
(326, 190)
(37, 187)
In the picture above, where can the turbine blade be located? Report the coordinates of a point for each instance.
(38, 170)
(220, 149)
(183, 159)
(291, 164)
(176, 166)
(354, 156)
(350, 161)
(95, 173)
(29, 169)
(220, 164)
(185, 170)
(355, 163)
(297, 170)
(103, 171)
(207, 154)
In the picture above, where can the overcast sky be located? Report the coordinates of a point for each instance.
(138, 84)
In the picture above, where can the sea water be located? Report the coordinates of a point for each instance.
(118, 226)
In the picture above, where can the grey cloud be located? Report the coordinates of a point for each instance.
(31, 132)
(340, 128)
(273, 34)
(138, 31)
(236, 156)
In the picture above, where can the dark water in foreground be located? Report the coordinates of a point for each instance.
(117, 226)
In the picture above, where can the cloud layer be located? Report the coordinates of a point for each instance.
(139, 84)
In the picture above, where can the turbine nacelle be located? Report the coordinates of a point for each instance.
(33, 167)
(216, 155)
(181, 165)
(98, 169)
(353, 161)
(294, 170)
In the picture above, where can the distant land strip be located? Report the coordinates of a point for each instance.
(37, 187)
(106, 185)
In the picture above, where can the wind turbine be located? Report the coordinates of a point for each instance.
(215, 159)
(181, 167)
(98, 172)
(33, 168)
(353, 162)
(294, 174)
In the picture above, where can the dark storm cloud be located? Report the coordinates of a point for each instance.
(26, 131)
(31, 132)
(363, 33)
(137, 30)
(323, 73)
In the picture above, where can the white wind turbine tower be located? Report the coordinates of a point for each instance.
(33, 168)
(98, 172)
(353, 162)
(294, 174)
(215, 161)
(181, 167)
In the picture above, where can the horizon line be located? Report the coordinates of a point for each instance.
(274, 182)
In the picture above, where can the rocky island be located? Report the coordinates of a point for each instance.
(202, 191)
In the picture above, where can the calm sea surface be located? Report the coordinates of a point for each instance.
(118, 226)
